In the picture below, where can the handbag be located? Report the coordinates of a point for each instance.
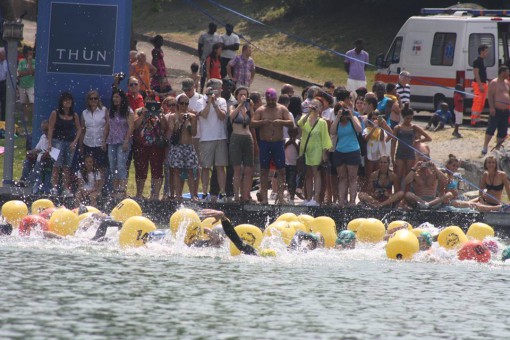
(301, 160)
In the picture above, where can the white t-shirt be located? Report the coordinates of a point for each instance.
(229, 40)
(286, 129)
(291, 153)
(42, 145)
(212, 128)
(328, 114)
(92, 178)
(208, 40)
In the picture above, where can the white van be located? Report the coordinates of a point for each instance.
(438, 49)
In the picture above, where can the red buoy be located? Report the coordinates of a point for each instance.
(474, 250)
(30, 222)
(46, 213)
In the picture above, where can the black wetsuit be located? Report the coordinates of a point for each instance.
(236, 240)
(105, 224)
(5, 229)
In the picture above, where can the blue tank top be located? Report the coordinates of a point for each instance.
(347, 138)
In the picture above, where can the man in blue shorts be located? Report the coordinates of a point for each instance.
(498, 98)
(270, 119)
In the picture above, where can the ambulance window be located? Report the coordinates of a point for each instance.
(393, 56)
(477, 39)
(443, 49)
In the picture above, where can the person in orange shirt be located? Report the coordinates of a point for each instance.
(143, 71)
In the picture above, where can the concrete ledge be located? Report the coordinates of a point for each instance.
(285, 78)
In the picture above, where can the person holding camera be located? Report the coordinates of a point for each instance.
(150, 132)
(347, 156)
(213, 138)
(425, 178)
(183, 157)
(241, 145)
(314, 146)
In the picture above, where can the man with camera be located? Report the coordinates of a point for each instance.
(213, 138)
(425, 178)
(183, 156)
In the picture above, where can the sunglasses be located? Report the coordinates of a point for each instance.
(171, 104)
(93, 98)
(133, 84)
(183, 103)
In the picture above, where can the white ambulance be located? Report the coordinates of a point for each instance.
(438, 49)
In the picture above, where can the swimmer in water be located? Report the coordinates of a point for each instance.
(301, 241)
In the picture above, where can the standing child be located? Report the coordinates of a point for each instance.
(458, 109)
(89, 182)
(291, 155)
(195, 76)
(158, 61)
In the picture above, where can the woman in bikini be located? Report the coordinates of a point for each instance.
(383, 187)
(492, 183)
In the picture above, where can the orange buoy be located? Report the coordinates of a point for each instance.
(474, 250)
(46, 213)
(30, 222)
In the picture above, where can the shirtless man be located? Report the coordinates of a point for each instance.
(425, 178)
(183, 156)
(270, 119)
(499, 100)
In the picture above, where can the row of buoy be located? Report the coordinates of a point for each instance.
(403, 241)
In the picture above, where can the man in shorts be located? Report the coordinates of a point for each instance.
(183, 156)
(26, 72)
(213, 139)
(499, 98)
(271, 119)
(355, 63)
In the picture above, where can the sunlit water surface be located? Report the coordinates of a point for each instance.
(78, 289)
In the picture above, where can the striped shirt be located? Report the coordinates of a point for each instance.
(404, 93)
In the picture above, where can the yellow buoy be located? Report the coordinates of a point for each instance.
(451, 237)
(84, 216)
(417, 231)
(126, 209)
(287, 217)
(306, 220)
(42, 204)
(268, 253)
(135, 231)
(209, 223)
(402, 245)
(327, 228)
(189, 220)
(298, 226)
(250, 234)
(354, 224)
(63, 222)
(398, 225)
(14, 211)
(480, 231)
(371, 230)
(280, 229)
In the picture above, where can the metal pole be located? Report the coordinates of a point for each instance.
(12, 35)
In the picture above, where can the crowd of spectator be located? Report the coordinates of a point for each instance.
(339, 145)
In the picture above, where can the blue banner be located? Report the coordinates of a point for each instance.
(79, 47)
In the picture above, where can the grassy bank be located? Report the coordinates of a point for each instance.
(335, 29)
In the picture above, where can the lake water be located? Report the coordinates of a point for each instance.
(75, 289)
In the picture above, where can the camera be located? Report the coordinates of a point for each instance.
(187, 116)
(120, 76)
(345, 112)
(209, 92)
